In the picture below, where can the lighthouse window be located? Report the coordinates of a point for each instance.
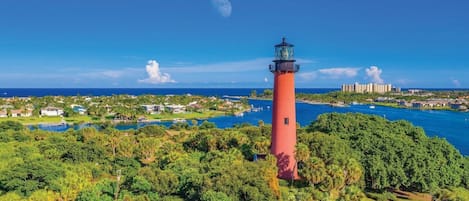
(285, 121)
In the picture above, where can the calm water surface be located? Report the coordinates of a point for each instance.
(454, 126)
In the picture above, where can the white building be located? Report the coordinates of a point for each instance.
(21, 113)
(153, 109)
(367, 88)
(175, 109)
(52, 111)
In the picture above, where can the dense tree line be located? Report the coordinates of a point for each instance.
(151, 163)
(348, 97)
(340, 157)
(396, 154)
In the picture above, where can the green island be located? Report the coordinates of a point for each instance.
(116, 108)
(345, 157)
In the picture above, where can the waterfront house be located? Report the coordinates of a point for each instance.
(385, 100)
(52, 111)
(404, 103)
(456, 106)
(429, 104)
(418, 104)
(194, 106)
(16, 113)
(176, 109)
(3, 114)
(153, 109)
(21, 113)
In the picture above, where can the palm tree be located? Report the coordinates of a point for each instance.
(302, 152)
(337, 175)
(352, 193)
(114, 140)
(353, 171)
(314, 170)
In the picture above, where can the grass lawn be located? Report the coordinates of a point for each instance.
(394, 105)
(79, 119)
(188, 115)
(33, 120)
(47, 120)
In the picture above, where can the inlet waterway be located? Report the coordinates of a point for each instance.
(454, 126)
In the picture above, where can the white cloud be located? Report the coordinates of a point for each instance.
(155, 76)
(375, 74)
(259, 64)
(112, 73)
(301, 61)
(242, 71)
(456, 83)
(339, 72)
(105, 73)
(224, 67)
(308, 76)
(223, 7)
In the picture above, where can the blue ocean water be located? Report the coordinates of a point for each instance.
(40, 92)
(454, 126)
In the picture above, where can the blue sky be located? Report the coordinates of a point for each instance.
(229, 43)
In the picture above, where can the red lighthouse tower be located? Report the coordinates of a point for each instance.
(283, 115)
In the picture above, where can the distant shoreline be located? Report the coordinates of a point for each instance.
(243, 91)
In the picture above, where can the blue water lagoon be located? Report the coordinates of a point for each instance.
(454, 126)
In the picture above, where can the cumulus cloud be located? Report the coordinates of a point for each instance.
(339, 72)
(374, 73)
(155, 76)
(223, 7)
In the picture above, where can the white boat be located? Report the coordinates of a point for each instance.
(256, 109)
(179, 120)
(241, 114)
(372, 107)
